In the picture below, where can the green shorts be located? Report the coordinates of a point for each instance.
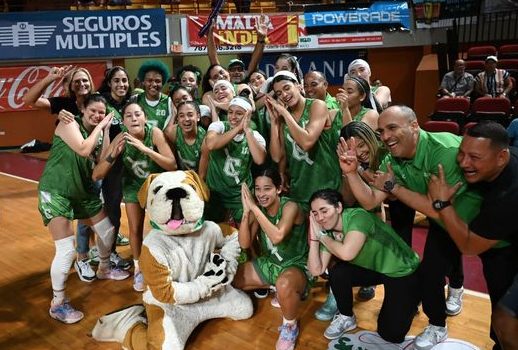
(269, 271)
(129, 193)
(218, 211)
(52, 205)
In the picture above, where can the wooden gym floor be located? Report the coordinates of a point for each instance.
(25, 291)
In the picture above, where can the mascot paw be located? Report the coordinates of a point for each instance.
(231, 249)
(215, 271)
(115, 325)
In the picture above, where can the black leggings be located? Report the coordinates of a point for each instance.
(439, 256)
(399, 304)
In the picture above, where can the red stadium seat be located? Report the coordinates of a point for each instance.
(442, 126)
(508, 51)
(481, 52)
(451, 109)
(492, 108)
(474, 67)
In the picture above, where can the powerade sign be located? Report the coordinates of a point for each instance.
(65, 34)
(357, 17)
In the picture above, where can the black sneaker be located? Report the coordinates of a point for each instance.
(117, 261)
(261, 293)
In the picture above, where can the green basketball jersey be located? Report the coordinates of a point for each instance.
(189, 154)
(137, 166)
(384, 251)
(293, 249)
(66, 172)
(358, 117)
(228, 168)
(313, 170)
(157, 115)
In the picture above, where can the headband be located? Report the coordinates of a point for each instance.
(358, 62)
(227, 83)
(241, 102)
(287, 74)
(356, 80)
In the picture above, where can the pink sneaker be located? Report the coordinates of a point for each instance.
(287, 337)
(65, 313)
(112, 273)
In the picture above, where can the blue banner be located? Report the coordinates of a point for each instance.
(378, 13)
(66, 34)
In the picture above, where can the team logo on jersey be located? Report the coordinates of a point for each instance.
(191, 164)
(139, 167)
(297, 152)
(231, 167)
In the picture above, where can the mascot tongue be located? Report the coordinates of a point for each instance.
(174, 224)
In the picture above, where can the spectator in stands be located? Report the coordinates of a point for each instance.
(380, 95)
(491, 166)
(315, 86)
(493, 82)
(238, 72)
(512, 131)
(457, 83)
(404, 173)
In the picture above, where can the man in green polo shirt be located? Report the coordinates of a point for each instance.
(414, 155)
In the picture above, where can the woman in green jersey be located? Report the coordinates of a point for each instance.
(67, 192)
(279, 225)
(299, 141)
(355, 103)
(144, 150)
(187, 137)
(367, 252)
(233, 146)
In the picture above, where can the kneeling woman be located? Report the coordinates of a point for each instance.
(369, 252)
(281, 229)
(144, 151)
(67, 192)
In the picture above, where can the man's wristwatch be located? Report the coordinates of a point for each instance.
(440, 205)
(389, 185)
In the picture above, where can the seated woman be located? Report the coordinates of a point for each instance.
(279, 224)
(144, 150)
(233, 146)
(67, 192)
(368, 252)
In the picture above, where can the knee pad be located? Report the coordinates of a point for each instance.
(105, 236)
(63, 259)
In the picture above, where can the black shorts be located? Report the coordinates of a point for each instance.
(509, 301)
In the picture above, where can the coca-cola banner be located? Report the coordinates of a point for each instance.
(60, 34)
(239, 30)
(16, 81)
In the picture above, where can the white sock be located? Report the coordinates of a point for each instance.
(137, 267)
(105, 237)
(289, 322)
(63, 258)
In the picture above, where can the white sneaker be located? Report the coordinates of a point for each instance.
(138, 282)
(431, 336)
(339, 325)
(84, 270)
(454, 301)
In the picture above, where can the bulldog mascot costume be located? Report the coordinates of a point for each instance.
(187, 280)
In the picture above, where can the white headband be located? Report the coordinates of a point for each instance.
(358, 62)
(227, 83)
(241, 102)
(286, 73)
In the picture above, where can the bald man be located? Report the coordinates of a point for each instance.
(457, 83)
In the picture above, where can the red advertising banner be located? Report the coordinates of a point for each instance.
(239, 30)
(16, 81)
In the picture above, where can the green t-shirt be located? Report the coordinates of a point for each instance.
(157, 115)
(434, 149)
(66, 172)
(189, 154)
(313, 170)
(383, 251)
(358, 117)
(293, 249)
(137, 166)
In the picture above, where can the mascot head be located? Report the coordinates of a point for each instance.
(175, 201)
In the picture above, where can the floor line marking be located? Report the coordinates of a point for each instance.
(19, 177)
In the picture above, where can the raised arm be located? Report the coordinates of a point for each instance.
(261, 28)
(33, 96)
(164, 157)
(211, 46)
(72, 136)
